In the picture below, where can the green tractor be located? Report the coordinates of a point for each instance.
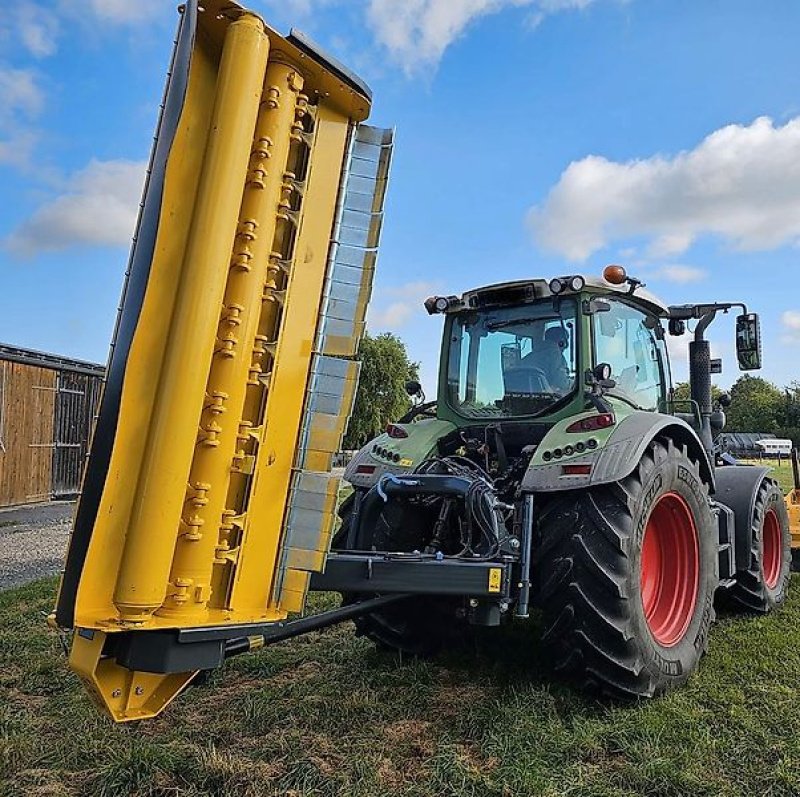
(557, 471)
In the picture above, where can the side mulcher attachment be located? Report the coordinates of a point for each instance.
(792, 499)
(207, 500)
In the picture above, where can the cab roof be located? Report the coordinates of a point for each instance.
(505, 294)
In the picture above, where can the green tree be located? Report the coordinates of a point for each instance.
(381, 396)
(756, 406)
(789, 417)
(681, 393)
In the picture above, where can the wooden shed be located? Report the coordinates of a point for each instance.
(47, 409)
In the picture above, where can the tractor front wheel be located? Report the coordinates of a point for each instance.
(626, 575)
(419, 626)
(765, 583)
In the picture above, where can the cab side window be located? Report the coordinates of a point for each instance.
(625, 338)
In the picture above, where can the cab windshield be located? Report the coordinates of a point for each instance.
(512, 361)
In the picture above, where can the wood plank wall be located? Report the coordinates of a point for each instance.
(27, 410)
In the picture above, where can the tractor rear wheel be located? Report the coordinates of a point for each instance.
(626, 575)
(418, 626)
(765, 583)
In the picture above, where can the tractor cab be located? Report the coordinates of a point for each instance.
(531, 349)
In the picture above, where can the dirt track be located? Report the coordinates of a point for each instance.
(32, 541)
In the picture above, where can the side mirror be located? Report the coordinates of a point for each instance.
(413, 388)
(748, 341)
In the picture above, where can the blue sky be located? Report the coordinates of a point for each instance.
(534, 138)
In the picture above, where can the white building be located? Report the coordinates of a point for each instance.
(774, 447)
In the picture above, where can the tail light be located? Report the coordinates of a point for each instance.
(576, 470)
(396, 432)
(594, 422)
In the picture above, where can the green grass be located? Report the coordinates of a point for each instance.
(782, 471)
(326, 714)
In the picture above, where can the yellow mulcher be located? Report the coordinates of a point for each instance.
(793, 508)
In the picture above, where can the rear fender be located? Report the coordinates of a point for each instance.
(737, 488)
(385, 454)
(618, 452)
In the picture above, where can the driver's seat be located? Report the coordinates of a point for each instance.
(526, 379)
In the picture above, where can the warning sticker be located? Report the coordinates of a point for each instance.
(495, 579)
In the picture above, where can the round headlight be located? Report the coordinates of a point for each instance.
(441, 304)
(556, 285)
(577, 284)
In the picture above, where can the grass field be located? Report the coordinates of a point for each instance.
(781, 471)
(328, 715)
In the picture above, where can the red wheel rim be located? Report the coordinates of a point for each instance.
(670, 570)
(772, 555)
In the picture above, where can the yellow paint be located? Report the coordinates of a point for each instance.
(139, 549)
(123, 694)
(195, 554)
(262, 528)
(793, 508)
(190, 526)
(94, 604)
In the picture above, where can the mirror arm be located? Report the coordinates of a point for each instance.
(598, 401)
(704, 323)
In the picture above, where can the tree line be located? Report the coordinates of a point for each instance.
(758, 405)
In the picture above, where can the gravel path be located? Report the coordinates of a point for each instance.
(33, 540)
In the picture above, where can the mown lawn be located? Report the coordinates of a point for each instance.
(782, 473)
(328, 715)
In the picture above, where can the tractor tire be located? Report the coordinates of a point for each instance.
(417, 627)
(765, 583)
(625, 576)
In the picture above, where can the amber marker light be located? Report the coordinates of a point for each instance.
(614, 274)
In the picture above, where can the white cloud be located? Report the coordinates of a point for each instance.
(680, 274)
(19, 93)
(38, 29)
(21, 101)
(99, 209)
(126, 12)
(407, 302)
(791, 326)
(417, 32)
(16, 146)
(741, 183)
(297, 8)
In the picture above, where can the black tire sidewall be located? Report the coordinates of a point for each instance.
(674, 473)
(774, 500)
